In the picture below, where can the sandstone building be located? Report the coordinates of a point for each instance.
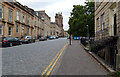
(107, 29)
(55, 29)
(59, 21)
(17, 20)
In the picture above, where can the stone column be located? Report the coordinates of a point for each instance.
(6, 30)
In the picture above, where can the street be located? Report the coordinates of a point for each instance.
(36, 59)
(30, 59)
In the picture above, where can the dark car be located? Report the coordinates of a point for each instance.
(52, 37)
(27, 39)
(42, 38)
(9, 41)
(57, 37)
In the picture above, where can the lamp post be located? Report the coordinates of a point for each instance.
(87, 32)
(88, 36)
(70, 34)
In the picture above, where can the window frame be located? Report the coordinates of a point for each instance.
(23, 18)
(1, 29)
(102, 21)
(10, 15)
(27, 30)
(98, 25)
(31, 31)
(17, 28)
(18, 15)
(31, 21)
(28, 18)
(1, 7)
(10, 31)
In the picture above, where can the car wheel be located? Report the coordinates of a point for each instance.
(11, 44)
(20, 43)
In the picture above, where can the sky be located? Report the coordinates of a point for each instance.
(52, 7)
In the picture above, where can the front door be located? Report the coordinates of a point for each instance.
(115, 25)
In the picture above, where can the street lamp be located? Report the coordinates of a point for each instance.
(88, 31)
(70, 34)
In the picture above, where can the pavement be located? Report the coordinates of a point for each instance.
(76, 61)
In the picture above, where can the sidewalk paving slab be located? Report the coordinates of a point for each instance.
(76, 61)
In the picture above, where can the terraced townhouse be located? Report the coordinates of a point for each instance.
(107, 31)
(47, 20)
(17, 20)
(55, 29)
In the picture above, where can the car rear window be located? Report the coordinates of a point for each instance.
(10, 38)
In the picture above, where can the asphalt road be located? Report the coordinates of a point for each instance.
(30, 59)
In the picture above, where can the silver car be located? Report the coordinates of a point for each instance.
(27, 39)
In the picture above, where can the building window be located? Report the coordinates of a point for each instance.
(28, 20)
(35, 22)
(17, 28)
(102, 17)
(22, 30)
(9, 31)
(38, 22)
(1, 11)
(23, 18)
(54, 33)
(31, 31)
(1, 29)
(31, 22)
(97, 24)
(51, 32)
(27, 30)
(17, 15)
(10, 16)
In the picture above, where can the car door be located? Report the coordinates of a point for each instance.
(11, 40)
(16, 40)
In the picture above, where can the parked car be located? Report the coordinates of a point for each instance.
(9, 41)
(52, 37)
(57, 37)
(27, 39)
(42, 38)
(76, 38)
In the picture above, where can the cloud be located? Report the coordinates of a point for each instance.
(54, 6)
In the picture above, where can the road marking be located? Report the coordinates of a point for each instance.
(53, 61)
(48, 73)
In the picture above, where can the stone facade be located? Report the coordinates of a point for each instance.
(18, 20)
(55, 29)
(107, 23)
(59, 21)
(47, 20)
(66, 34)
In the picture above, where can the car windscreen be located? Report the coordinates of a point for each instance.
(10, 38)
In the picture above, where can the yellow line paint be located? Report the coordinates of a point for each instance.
(48, 73)
(51, 62)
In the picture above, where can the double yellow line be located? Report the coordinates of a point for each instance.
(50, 67)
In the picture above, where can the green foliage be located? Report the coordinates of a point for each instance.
(115, 74)
(80, 17)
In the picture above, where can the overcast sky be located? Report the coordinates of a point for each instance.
(52, 7)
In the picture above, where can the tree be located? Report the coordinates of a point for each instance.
(80, 17)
